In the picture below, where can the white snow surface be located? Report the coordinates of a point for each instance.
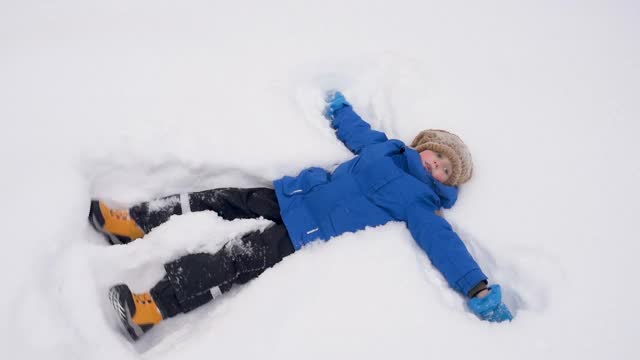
(128, 101)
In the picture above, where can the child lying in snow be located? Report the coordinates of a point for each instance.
(385, 181)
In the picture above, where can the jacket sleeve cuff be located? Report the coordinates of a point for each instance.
(335, 120)
(470, 280)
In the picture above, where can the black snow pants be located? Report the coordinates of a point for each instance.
(195, 279)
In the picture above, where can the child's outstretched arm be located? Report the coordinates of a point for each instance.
(450, 256)
(445, 249)
(354, 132)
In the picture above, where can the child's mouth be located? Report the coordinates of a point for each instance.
(426, 164)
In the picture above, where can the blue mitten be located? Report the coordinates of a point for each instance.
(491, 307)
(335, 101)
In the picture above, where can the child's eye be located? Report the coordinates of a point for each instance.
(446, 171)
(439, 155)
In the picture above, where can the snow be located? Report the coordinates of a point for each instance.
(132, 100)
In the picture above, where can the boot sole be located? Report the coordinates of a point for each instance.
(131, 329)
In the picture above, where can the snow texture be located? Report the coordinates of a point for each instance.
(133, 100)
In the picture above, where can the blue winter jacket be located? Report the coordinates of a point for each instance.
(385, 182)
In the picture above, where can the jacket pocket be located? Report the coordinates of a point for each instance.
(305, 181)
(355, 214)
(377, 182)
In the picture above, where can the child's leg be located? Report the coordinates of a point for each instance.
(229, 203)
(193, 280)
(123, 226)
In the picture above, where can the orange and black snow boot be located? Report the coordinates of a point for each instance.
(116, 225)
(137, 313)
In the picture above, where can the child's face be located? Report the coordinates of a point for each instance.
(437, 164)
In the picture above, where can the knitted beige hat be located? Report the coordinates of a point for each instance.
(451, 146)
